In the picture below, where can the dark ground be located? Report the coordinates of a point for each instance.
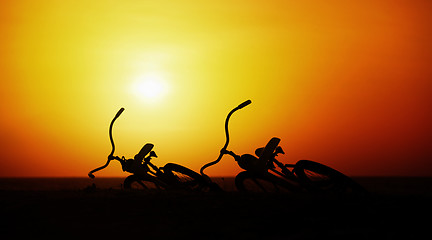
(396, 209)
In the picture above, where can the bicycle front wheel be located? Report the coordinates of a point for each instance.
(255, 183)
(141, 182)
(183, 178)
(320, 178)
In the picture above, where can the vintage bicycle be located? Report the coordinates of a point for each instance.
(262, 175)
(146, 175)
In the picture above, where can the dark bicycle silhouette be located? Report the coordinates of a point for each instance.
(145, 175)
(262, 175)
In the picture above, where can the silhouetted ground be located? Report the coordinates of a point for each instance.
(388, 213)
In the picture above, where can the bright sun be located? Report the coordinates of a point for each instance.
(149, 87)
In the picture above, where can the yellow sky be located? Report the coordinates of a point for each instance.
(344, 83)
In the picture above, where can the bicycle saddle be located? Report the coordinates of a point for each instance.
(258, 151)
(144, 151)
(278, 150)
(269, 149)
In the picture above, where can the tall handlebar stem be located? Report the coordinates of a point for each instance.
(110, 131)
(242, 105)
(110, 156)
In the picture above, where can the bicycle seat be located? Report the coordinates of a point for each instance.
(258, 151)
(144, 151)
(269, 149)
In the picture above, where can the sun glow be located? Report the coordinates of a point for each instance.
(346, 84)
(149, 87)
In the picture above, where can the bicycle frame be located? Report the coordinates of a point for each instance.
(284, 171)
(170, 176)
(159, 178)
(123, 161)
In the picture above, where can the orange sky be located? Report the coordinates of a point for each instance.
(344, 83)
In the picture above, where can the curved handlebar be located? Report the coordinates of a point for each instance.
(90, 174)
(110, 156)
(223, 150)
(244, 104)
(110, 130)
(119, 113)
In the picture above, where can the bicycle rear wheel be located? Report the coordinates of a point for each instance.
(141, 182)
(184, 178)
(255, 183)
(320, 178)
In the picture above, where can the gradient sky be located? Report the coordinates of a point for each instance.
(344, 83)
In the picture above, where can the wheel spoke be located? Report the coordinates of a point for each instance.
(249, 182)
(318, 177)
(142, 184)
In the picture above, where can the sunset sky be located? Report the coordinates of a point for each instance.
(344, 83)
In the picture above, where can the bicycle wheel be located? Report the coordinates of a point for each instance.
(184, 178)
(249, 182)
(141, 182)
(320, 178)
